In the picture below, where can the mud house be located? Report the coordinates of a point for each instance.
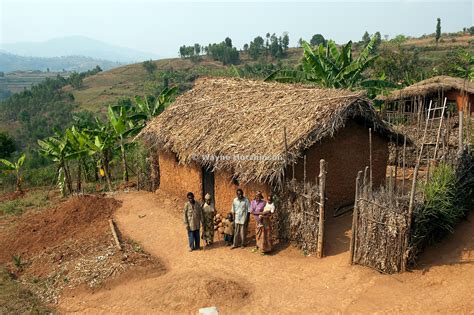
(227, 133)
(410, 104)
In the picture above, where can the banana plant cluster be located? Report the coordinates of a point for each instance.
(102, 141)
(332, 67)
(15, 167)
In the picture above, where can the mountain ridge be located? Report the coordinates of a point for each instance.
(77, 46)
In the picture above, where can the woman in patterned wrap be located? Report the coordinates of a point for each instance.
(208, 222)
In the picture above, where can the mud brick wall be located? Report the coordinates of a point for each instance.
(345, 154)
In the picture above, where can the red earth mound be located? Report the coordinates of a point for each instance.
(12, 195)
(77, 218)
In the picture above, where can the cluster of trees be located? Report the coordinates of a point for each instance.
(41, 109)
(90, 148)
(224, 52)
(191, 51)
(76, 78)
(273, 46)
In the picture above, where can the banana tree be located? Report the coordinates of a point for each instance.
(79, 150)
(124, 126)
(100, 140)
(152, 109)
(58, 150)
(6, 165)
(331, 67)
(156, 107)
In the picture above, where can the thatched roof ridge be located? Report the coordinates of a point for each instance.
(231, 118)
(429, 86)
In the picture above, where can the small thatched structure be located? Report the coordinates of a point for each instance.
(409, 105)
(431, 86)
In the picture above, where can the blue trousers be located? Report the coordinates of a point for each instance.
(194, 240)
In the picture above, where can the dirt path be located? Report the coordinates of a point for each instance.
(286, 282)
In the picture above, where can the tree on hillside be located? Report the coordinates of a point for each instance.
(228, 42)
(378, 41)
(438, 30)
(197, 49)
(149, 66)
(366, 38)
(257, 47)
(316, 40)
(285, 41)
(75, 79)
(300, 42)
(7, 145)
(246, 47)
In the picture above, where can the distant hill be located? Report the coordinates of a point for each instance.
(10, 62)
(130, 80)
(77, 46)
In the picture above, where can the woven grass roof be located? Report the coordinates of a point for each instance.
(231, 118)
(429, 86)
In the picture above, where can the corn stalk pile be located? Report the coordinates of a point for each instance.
(297, 217)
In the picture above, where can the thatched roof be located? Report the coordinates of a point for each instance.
(242, 121)
(429, 86)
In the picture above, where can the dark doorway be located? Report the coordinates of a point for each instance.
(207, 183)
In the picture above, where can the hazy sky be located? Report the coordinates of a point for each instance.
(162, 26)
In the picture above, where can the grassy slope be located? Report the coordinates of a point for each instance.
(128, 81)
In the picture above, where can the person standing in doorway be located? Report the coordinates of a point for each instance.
(208, 221)
(241, 212)
(192, 220)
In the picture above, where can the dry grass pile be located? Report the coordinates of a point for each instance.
(297, 220)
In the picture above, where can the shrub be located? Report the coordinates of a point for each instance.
(439, 214)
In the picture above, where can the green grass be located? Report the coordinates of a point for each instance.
(32, 200)
(16, 300)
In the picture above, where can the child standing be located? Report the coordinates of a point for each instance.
(228, 224)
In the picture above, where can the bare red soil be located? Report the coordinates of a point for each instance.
(239, 281)
(78, 218)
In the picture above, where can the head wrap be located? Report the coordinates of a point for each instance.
(207, 197)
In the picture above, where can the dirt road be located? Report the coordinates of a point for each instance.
(239, 281)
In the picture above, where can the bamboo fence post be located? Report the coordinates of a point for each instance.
(286, 147)
(397, 161)
(370, 160)
(460, 135)
(365, 186)
(355, 216)
(322, 205)
(304, 174)
(409, 219)
(404, 162)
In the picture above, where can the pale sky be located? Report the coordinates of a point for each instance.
(161, 27)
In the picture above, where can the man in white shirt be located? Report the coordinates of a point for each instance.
(240, 210)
